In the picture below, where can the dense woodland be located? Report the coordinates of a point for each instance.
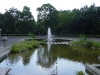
(85, 20)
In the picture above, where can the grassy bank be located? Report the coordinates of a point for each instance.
(85, 42)
(25, 45)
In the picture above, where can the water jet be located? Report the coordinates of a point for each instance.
(49, 37)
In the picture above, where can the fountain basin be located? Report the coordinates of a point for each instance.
(94, 69)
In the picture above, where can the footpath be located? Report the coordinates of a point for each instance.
(4, 51)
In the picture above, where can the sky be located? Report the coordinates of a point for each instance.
(34, 4)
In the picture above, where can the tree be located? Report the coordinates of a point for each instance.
(65, 18)
(8, 23)
(1, 21)
(16, 22)
(26, 14)
(47, 16)
(25, 22)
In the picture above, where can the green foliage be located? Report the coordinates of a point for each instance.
(65, 18)
(78, 21)
(80, 73)
(83, 41)
(42, 42)
(96, 44)
(47, 17)
(88, 43)
(31, 35)
(17, 22)
(24, 45)
(13, 48)
(82, 37)
(35, 43)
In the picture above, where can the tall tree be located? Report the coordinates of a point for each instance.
(1, 21)
(9, 23)
(65, 18)
(26, 14)
(48, 15)
(26, 22)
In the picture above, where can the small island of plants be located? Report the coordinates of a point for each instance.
(26, 44)
(85, 42)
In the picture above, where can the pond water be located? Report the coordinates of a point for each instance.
(60, 59)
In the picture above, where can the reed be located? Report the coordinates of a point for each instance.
(83, 41)
(80, 73)
(24, 45)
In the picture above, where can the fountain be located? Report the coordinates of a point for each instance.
(49, 38)
(49, 35)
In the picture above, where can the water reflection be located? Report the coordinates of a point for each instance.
(15, 58)
(52, 58)
(86, 55)
(49, 45)
(45, 58)
(26, 58)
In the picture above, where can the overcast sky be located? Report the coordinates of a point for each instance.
(34, 4)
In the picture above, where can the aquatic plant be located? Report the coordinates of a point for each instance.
(31, 35)
(88, 43)
(96, 44)
(24, 45)
(82, 37)
(83, 41)
(80, 73)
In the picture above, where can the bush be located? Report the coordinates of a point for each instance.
(24, 45)
(88, 44)
(96, 44)
(31, 35)
(82, 37)
(80, 73)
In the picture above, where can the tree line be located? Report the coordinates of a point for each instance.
(85, 20)
(14, 21)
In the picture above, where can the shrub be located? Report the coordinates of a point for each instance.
(88, 43)
(82, 37)
(96, 44)
(31, 35)
(23, 45)
(80, 73)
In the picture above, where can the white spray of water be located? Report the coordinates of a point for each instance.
(49, 34)
(49, 38)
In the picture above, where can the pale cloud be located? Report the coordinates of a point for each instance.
(34, 4)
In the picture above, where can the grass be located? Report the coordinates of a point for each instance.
(83, 41)
(96, 44)
(25, 45)
(80, 73)
(87, 43)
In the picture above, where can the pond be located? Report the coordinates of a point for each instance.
(60, 59)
